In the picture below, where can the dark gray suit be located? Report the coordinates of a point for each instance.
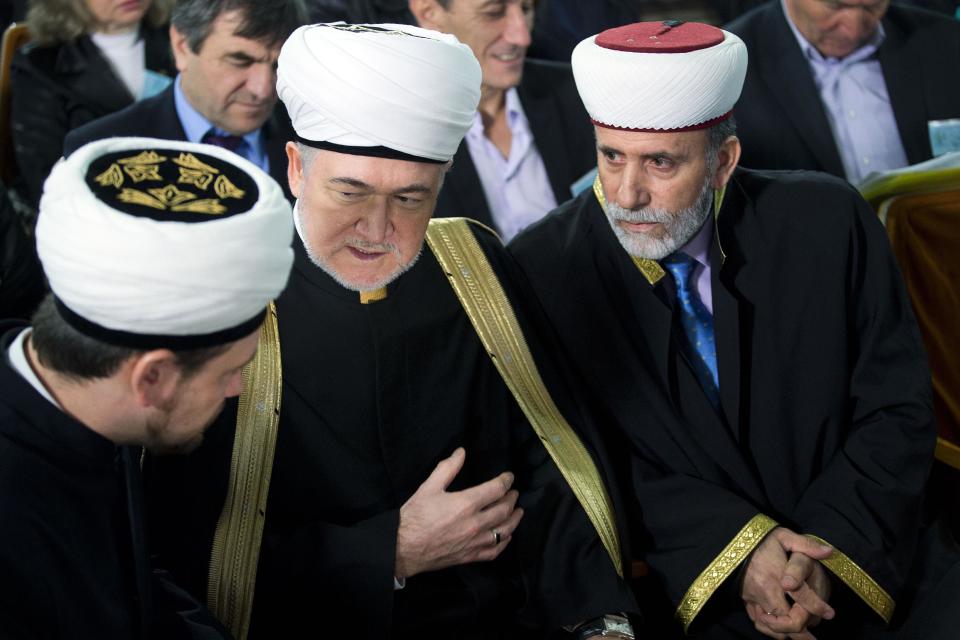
(781, 120)
(157, 117)
(561, 132)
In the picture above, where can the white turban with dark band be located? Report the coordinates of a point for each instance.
(156, 243)
(404, 88)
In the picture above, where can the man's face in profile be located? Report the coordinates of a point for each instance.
(199, 398)
(837, 28)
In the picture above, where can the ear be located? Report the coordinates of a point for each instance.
(727, 158)
(154, 378)
(180, 47)
(294, 169)
(427, 13)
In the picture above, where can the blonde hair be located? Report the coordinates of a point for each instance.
(61, 21)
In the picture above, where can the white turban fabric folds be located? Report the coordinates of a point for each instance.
(407, 89)
(659, 91)
(159, 279)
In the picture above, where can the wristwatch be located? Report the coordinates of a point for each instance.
(608, 626)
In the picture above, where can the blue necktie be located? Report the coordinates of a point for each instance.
(697, 324)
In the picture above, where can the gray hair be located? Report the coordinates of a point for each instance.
(61, 21)
(309, 154)
(267, 21)
(716, 136)
(79, 358)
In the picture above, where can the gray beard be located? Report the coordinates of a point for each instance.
(679, 227)
(343, 282)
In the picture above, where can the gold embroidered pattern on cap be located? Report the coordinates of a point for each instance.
(113, 176)
(143, 166)
(191, 171)
(226, 189)
(195, 172)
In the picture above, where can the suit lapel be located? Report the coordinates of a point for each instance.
(543, 115)
(277, 131)
(788, 75)
(727, 319)
(463, 184)
(903, 73)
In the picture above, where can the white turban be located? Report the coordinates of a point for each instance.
(654, 76)
(157, 243)
(398, 87)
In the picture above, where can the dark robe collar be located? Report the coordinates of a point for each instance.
(43, 426)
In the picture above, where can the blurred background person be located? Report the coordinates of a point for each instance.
(531, 140)
(846, 87)
(21, 278)
(87, 59)
(225, 93)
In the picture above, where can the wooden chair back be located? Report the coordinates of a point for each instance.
(924, 232)
(15, 36)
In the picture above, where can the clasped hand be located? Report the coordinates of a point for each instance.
(440, 528)
(785, 564)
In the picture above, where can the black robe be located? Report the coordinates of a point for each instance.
(73, 559)
(826, 422)
(374, 396)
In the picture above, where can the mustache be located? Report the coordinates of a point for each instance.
(366, 245)
(646, 214)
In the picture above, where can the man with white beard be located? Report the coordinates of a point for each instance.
(752, 340)
(409, 495)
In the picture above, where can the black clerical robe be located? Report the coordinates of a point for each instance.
(374, 396)
(825, 425)
(73, 559)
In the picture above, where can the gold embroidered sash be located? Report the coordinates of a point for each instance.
(236, 543)
(489, 310)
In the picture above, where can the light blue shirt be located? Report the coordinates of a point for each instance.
(698, 248)
(517, 188)
(196, 126)
(858, 108)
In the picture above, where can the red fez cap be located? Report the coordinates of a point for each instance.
(669, 36)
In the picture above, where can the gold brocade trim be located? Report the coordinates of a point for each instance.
(948, 453)
(722, 566)
(373, 295)
(236, 543)
(489, 310)
(859, 581)
(650, 269)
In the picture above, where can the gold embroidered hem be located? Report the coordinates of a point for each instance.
(236, 543)
(373, 295)
(486, 305)
(859, 581)
(722, 566)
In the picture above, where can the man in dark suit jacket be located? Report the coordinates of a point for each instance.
(784, 123)
(225, 93)
(531, 140)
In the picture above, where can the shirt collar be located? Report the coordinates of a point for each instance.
(698, 247)
(810, 52)
(516, 118)
(19, 363)
(195, 125)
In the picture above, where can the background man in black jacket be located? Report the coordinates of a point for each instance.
(530, 140)
(844, 87)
